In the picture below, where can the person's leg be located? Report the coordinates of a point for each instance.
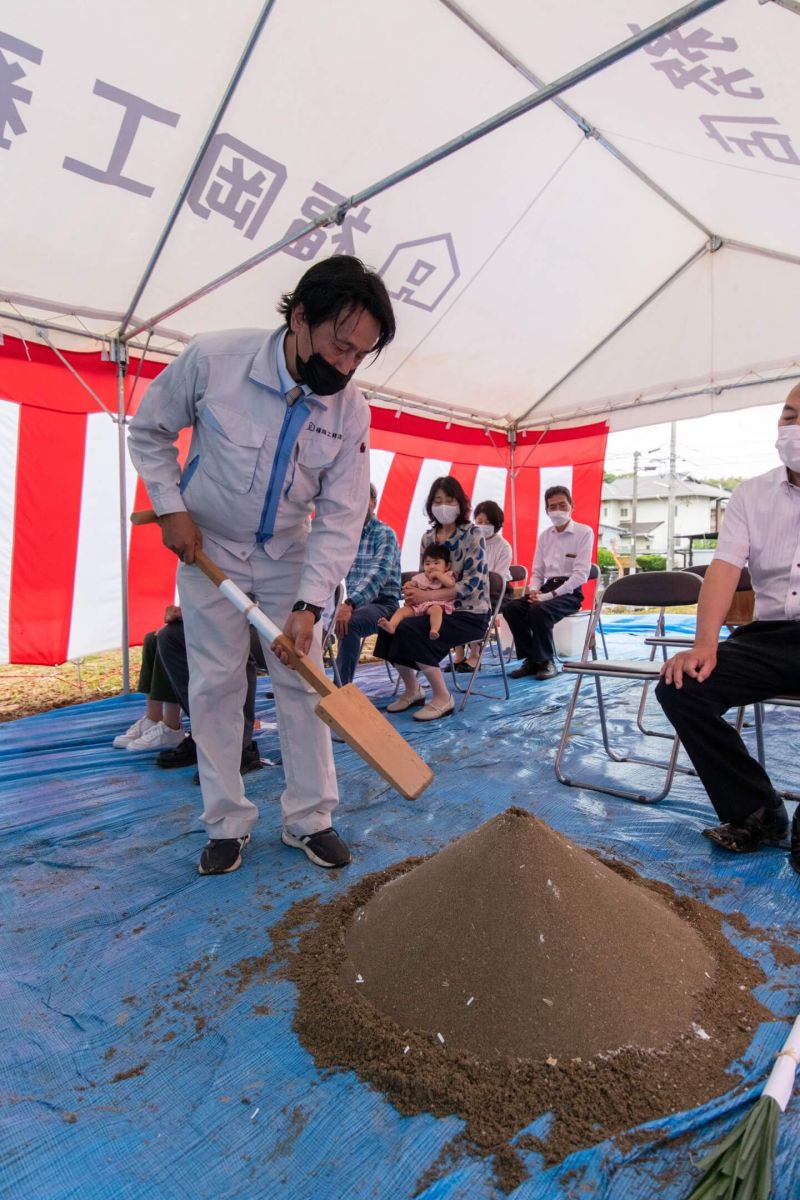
(389, 624)
(440, 693)
(217, 645)
(363, 622)
(311, 793)
(172, 655)
(149, 645)
(750, 668)
(518, 617)
(171, 716)
(435, 615)
(543, 617)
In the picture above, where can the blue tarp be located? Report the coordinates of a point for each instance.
(132, 1069)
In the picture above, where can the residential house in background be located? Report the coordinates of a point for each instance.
(698, 510)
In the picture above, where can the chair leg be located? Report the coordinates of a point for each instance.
(670, 767)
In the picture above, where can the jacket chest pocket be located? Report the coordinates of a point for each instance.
(231, 445)
(311, 459)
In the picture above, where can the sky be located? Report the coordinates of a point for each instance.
(713, 447)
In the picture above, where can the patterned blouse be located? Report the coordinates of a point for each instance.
(468, 563)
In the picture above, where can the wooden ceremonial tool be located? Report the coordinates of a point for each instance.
(346, 710)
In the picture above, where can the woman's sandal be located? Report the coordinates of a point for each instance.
(764, 827)
(434, 712)
(405, 702)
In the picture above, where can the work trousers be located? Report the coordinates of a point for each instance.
(532, 624)
(757, 661)
(217, 645)
(172, 652)
(363, 622)
(154, 678)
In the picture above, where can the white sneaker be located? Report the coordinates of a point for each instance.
(158, 737)
(130, 735)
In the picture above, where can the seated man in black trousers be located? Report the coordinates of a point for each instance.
(561, 564)
(172, 652)
(762, 659)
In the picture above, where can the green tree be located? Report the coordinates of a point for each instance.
(604, 557)
(651, 562)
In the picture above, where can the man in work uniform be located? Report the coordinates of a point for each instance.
(761, 529)
(279, 431)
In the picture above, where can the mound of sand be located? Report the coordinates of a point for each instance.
(513, 974)
(514, 942)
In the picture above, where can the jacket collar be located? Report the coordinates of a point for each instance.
(264, 368)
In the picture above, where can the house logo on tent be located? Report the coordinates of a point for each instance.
(421, 272)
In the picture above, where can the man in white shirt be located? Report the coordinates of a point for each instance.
(561, 565)
(279, 431)
(761, 529)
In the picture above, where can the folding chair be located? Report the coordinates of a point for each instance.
(594, 574)
(657, 589)
(328, 634)
(497, 591)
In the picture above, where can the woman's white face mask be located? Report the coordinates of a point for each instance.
(445, 514)
(788, 446)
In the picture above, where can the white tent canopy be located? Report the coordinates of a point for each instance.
(630, 249)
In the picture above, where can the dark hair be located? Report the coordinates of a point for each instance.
(451, 487)
(558, 489)
(488, 508)
(373, 492)
(437, 551)
(336, 286)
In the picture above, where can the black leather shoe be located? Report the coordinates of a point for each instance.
(794, 852)
(251, 759)
(184, 755)
(764, 827)
(547, 670)
(527, 668)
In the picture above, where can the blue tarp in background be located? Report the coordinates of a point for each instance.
(115, 952)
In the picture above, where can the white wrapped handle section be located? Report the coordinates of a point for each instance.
(780, 1084)
(258, 619)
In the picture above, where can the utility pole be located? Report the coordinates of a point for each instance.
(634, 503)
(671, 489)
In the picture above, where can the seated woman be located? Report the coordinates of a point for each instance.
(410, 648)
(489, 518)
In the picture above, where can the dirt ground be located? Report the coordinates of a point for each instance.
(28, 690)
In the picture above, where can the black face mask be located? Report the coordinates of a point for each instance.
(318, 374)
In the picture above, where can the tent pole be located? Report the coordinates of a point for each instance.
(121, 358)
(588, 130)
(177, 207)
(528, 103)
(512, 454)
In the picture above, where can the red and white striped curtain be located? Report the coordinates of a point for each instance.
(60, 571)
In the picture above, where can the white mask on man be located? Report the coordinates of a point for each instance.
(559, 517)
(445, 514)
(788, 446)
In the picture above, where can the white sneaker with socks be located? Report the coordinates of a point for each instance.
(135, 731)
(158, 737)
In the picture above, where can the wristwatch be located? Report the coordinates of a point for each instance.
(314, 609)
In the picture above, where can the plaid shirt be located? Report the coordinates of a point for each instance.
(376, 568)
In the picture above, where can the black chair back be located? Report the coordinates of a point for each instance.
(745, 583)
(518, 574)
(407, 576)
(654, 589)
(594, 572)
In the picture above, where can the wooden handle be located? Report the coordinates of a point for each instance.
(305, 668)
